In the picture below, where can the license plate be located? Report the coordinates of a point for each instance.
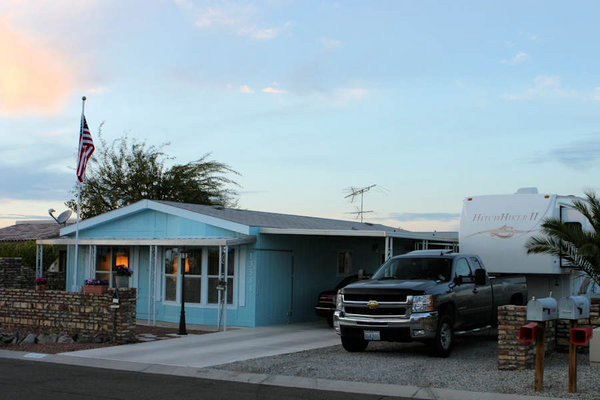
(372, 335)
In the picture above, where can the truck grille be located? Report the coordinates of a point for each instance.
(380, 297)
(401, 311)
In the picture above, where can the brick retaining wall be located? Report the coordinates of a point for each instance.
(13, 275)
(70, 313)
(512, 353)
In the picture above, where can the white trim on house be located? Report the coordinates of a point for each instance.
(157, 242)
(156, 206)
(322, 232)
(357, 233)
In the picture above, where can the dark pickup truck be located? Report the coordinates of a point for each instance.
(427, 296)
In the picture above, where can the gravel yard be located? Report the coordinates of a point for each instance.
(471, 366)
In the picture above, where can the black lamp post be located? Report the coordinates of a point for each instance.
(182, 330)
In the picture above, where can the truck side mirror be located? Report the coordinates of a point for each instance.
(458, 280)
(480, 277)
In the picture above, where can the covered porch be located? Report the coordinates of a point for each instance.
(208, 273)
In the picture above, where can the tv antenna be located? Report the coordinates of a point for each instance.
(354, 193)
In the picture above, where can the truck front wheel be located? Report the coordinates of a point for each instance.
(444, 338)
(354, 345)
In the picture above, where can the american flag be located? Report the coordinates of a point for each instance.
(86, 148)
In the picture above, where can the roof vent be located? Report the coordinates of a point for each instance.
(219, 207)
(527, 190)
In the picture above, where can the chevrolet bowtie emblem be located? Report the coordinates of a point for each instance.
(372, 304)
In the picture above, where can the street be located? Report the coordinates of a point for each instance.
(41, 380)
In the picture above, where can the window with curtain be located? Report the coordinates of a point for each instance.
(107, 259)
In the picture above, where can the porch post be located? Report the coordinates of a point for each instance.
(219, 310)
(39, 260)
(156, 273)
(226, 286)
(151, 260)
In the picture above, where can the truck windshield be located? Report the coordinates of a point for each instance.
(431, 269)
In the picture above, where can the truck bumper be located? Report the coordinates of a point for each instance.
(419, 326)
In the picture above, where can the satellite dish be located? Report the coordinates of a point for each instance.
(64, 217)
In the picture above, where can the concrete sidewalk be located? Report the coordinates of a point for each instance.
(213, 349)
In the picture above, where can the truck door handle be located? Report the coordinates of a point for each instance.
(475, 290)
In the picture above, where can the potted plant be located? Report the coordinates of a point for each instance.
(122, 277)
(95, 286)
(40, 284)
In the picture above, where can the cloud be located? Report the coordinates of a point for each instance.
(596, 93)
(330, 44)
(517, 59)
(25, 183)
(56, 133)
(33, 77)
(544, 87)
(245, 89)
(235, 18)
(578, 154)
(273, 90)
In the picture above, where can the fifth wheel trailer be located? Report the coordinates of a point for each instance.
(496, 227)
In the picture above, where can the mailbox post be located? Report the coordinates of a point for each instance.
(574, 308)
(539, 311)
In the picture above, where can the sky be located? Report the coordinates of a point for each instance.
(431, 101)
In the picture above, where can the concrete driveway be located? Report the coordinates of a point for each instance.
(220, 348)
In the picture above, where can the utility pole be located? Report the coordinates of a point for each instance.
(354, 192)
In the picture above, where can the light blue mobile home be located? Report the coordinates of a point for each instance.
(272, 266)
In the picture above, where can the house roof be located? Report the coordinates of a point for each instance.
(240, 221)
(24, 231)
(274, 220)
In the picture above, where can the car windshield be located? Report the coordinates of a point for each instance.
(421, 268)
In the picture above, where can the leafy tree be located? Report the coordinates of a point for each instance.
(579, 248)
(128, 171)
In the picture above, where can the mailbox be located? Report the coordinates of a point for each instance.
(574, 307)
(527, 332)
(544, 309)
(581, 335)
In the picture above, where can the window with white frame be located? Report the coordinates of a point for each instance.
(193, 276)
(171, 263)
(213, 275)
(107, 259)
(201, 275)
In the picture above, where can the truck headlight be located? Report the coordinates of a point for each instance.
(338, 301)
(422, 303)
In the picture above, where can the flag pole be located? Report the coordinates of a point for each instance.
(74, 286)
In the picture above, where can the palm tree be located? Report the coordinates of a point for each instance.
(579, 248)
